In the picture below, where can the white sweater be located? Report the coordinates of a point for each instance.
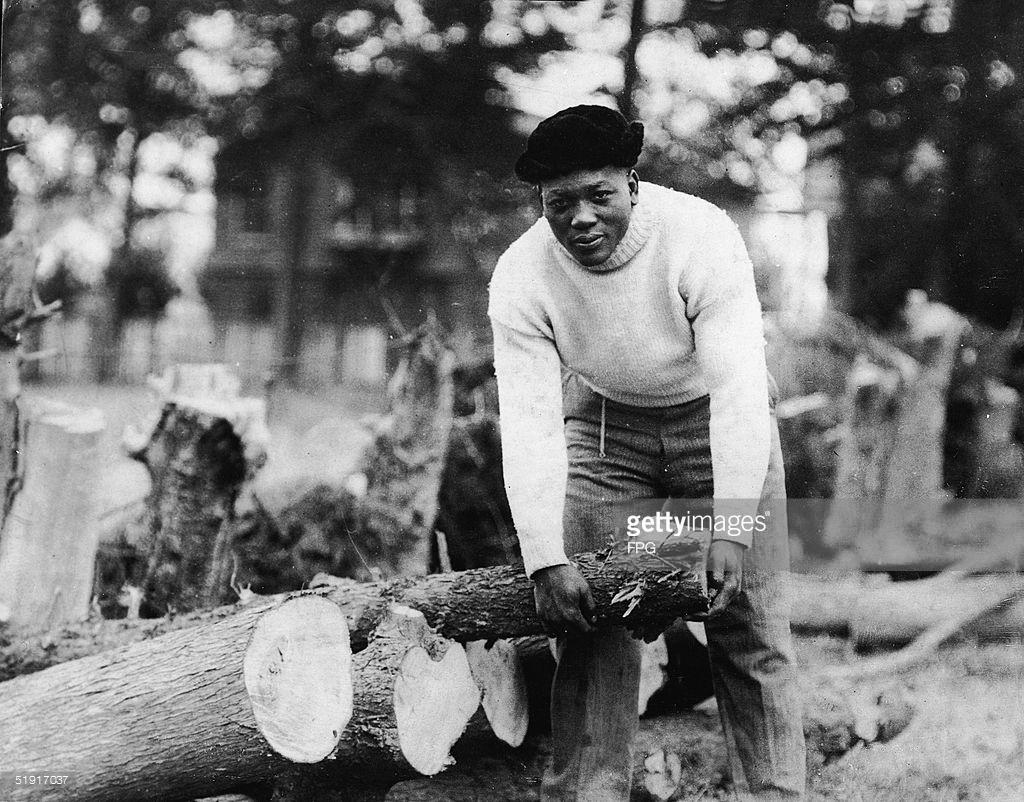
(670, 316)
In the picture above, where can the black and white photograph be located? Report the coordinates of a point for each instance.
(511, 400)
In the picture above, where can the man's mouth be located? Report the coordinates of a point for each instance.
(588, 242)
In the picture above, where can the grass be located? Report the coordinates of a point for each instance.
(966, 740)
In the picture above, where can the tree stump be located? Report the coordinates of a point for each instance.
(892, 455)
(204, 443)
(48, 545)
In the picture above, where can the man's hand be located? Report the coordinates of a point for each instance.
(725, 574)
(563, 598)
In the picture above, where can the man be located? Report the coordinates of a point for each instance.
(629, 354)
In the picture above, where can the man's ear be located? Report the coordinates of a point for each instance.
(634, 187)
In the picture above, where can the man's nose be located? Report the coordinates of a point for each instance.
(584, 217)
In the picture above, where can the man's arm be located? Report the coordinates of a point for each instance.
(535, 468)
(729, 343)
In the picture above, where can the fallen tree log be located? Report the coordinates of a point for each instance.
(896, 614)
(174, 717)
(643, 592)
(298, 672)
(480, 604)
(190, 678)
(25, 651)
(882, 614)
(414, 695)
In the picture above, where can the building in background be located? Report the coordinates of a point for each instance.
(329, 241)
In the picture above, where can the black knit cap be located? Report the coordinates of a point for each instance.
(579, 138)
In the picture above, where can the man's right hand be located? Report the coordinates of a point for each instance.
(564, 602)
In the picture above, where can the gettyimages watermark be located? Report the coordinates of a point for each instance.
(664, 522)
(674, 529)
(887, 535)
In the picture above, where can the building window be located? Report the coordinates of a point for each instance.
(386, 216)
(254, 210)
(248, 189)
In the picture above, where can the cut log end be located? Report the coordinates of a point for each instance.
(298, 673)
(434, 701)
(499, 674)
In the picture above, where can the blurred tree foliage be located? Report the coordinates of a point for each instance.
(116, 72)
(107, 73)
(919, 99)
(931, 143)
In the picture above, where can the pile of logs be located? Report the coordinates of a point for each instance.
(349, 677)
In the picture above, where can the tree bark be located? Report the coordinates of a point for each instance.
(164, 719)
(498, 602)
(414, 696)
(481, 604)
(205, 443)
(10, 429)
(49, 541)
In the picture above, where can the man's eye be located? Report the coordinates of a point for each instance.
(558, 205)
(602, 194)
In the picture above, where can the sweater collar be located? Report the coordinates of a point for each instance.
(641, 224)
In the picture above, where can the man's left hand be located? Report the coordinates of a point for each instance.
(725, 574)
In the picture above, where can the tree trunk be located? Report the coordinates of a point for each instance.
(481, 604)
(48, 546)
(107, 320)
(892, 456)
(206, 442)
(405, 461)
(172, 717)
(414, 696)
(498, 602)
(288, 309)
(892, 614)
(631, 72)
(10, 429)
(17, 310)
(896, 614)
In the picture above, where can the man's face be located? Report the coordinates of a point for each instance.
(588, 210)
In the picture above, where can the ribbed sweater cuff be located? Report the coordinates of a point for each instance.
(540, 553)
